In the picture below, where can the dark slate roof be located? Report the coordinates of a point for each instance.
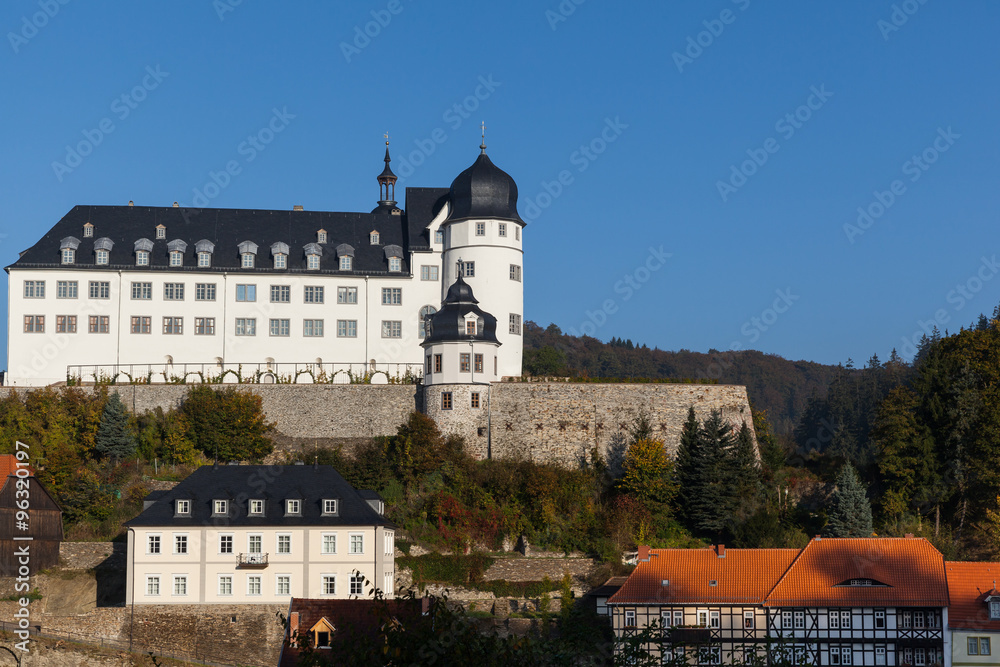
(274, 485)
(448, 324)
(227, 228)
(484, 191)
(422, 204)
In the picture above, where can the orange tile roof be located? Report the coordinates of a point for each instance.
(911, 567)
(8, 465)
(743, 576)
(968, 585)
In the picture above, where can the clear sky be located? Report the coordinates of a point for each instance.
(691, 172)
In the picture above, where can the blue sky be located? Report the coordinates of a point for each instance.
(736, 136)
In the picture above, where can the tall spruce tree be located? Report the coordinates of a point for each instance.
(689, 467)
(114, 436)
(850, 512)
(718, 500)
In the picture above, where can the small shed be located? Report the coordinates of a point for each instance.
(43, 524)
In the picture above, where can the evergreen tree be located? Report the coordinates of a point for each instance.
(114, 436)
(689, 467)
(718, 501)
(850, 512)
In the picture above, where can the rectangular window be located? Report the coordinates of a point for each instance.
(629, 618)
(470, 327)
(34, 324)
(880, 655)
(479, 362)
(834, 655)
(480, 229)
(389, 545)
(347, 328)
(255, 544)
(153, 544)
(347, 295)
(66, 289)
(984, 646)
(329, 584)
(918, 619)
(437, 363)
(284, 584)
(176, 259)
(99, 324)
(392, 296)
(329, 543)
(786, 620)
(678, 617)
(141, 324)
(428, 273)
(446, 400)
(280, 327)
(800, 620)
(204, 326)
(312, 328)
(247, 260)
(183, 507)
(748, 620)
(357, 544)
(225, 584)
(180, 544)
(256, 507)
(246, 326)
(973, 645)
(66, 323)
(329, 506)
(713, 619)
(225, 544)
(515, 324)
(204, 291)
(502, 229)
(293, 507)
(463, 362)
(469, 269)
(204, 259)
(517, 233)
(515, 272)
(280, 260)
(281, 294)
(313, 294)
(475, 399)
(995, 609)
(180, 585)
(395, 264)
(429, 367)
(392, 329)
(142, 291)
(702, 618)
(879, 619)
(438, 236)
(253, 584)
(173, 325)
(357, 584)
(173, 291)
(284, 544)
(246, 292)
(834, 620)
(345, 263)
(34, 289)
(845, 620)
(99, 289)
(152, 585)
(312, 262)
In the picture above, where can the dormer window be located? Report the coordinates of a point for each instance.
(161, 232)
(373, 238)
(279, 254)
(345, 257)
(176, 258)
(470, 327)
(248, 254)
(88, 230)
(394, 255)
(102, 257)
(142, 258)
(323, 630)
(281, 261)
(293, 507)
(68, 256)
(994, 609)
(183, 507)
(255, 508)
(329, 506)
(395, 264)
(220, 507)
(345, 263)
(204, 259)
(321, 236)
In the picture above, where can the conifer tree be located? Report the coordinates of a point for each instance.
(114, 436)
(850, 512)
(688, 464)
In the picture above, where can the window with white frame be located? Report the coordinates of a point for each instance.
(281, 260)
(182, 507)
(281, 294)
(328, 544)
(800, 620)
(515, 272)
(480, 229)
(678, 617)
(329, 584)
(180, 584)
(918, 619)
(152, 544)
(502, 229)
(225, 544)
(280, 326)
(329, 506)
(246, 292)
(880, 655)
(357, 584)
(100, 289)
(312, 294)
(880, 619)
(438, 236)
(373, 238)
(88, 230)
(246, 326)
(345, 262)
(293, 506)
(142, 258)
(428, 272)
(347, 328)
(247, 260)
(255, 544)
(357, 543)
(749, 619)
(713, 619)
(180, 544)
(220, 507)
(204, 326)
(845, 620)
(347, 295)
(152, 584)
(66, 289)
(395, 264)
(204, 291)
(34, 289)
(253, 584)
(392, 296)
(703, 618)
(312, 262)
(786, 620)
(312, 328)
(204, 259)
(515, 324)
(225, 584)
(173, 291)
(919, 656)
(284, 545)
(388, 544)
(283, 584)
(255, 507)
(161, 232)
(469, 269)
(321, 236)
(630, 618)
(102, 257)
(392, 329)
(709, 655)
(994, 609)
(176, 258)
(142, 291)
(388, 585)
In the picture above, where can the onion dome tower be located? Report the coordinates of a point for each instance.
(387, 185)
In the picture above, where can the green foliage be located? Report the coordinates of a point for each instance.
(443, 569)
(114, 435)
(850, 512)
(227, 424)
(649, 474)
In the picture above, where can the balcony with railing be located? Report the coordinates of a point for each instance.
(252, 561)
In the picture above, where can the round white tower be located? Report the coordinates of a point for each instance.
(483, 242)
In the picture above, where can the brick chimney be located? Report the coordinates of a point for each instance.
(293, 624)
(909, 536)
(298, 207)
(643, 553)
(721, 550)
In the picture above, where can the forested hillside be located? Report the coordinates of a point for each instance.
(777, 385)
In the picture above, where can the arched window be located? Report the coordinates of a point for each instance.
(425, 321)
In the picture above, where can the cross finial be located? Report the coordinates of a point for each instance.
(482, 146)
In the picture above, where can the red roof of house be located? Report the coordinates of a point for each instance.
(8, 466)
(741, 576)
(969, 584)
(911, 569)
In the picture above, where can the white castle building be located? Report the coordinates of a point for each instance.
(157, 293)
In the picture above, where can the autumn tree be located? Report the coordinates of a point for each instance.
(227, 424)
(649, 474)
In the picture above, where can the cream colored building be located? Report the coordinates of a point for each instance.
(259, 535)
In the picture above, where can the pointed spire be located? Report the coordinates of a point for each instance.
(482, 146)
(387, 179)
